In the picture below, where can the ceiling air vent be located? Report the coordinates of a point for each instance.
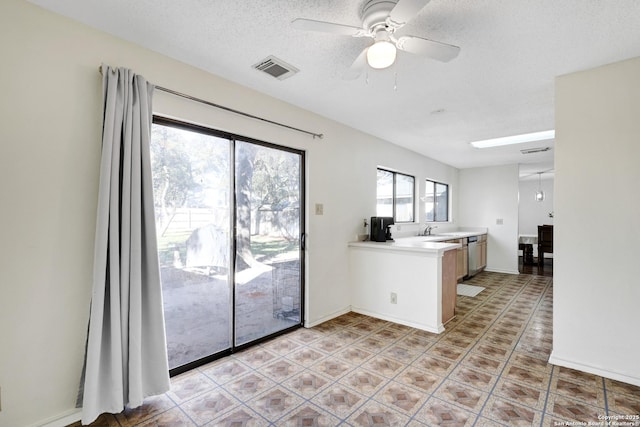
(276, 67)
(535, 150)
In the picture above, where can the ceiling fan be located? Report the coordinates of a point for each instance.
(380, 20)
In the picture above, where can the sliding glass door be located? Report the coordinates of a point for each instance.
(229, 223)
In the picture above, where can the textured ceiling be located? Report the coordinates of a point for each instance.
(502, 83)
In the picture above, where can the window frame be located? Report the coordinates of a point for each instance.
(433, 184)
(394, 197)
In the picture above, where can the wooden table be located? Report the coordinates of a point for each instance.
(526, 242)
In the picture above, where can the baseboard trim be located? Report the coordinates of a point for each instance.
(439, 329)
(311, 324)
(72, 416)
(495, 270)
(618, 376)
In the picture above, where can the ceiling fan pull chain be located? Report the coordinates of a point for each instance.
(366, 78)
(395, 81)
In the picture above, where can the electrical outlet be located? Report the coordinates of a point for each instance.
(394, 298)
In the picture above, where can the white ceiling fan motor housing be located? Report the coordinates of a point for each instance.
(375, 13)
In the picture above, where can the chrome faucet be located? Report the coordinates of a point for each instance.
(427, 231)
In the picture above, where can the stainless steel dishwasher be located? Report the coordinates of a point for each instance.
(473, 255)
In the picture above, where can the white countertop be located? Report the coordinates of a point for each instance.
(428, 244)
(441, 237)
(409, 244)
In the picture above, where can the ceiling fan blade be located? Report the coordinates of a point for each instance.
(405, 10)
(429, 48)
(357, 66)
(326, 27)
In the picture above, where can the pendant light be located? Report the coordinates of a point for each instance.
(539, 196)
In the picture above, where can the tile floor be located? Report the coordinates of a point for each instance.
(487, 369)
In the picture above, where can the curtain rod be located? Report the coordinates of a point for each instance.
(231, 110)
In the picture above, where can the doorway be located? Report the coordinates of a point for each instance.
(535, 208)
(230, 220)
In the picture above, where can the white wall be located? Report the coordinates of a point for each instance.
(418, 296)
(487, 195)
(532, 213)
(597, 227)
(49, 158)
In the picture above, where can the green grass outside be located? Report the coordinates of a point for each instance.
(261, 246)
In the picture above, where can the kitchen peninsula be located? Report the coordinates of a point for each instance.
(411, 281)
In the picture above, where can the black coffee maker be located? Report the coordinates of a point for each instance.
(381, 228)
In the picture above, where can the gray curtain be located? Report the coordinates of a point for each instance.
(126, 358)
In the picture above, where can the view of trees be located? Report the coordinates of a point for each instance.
(183, 164)
(276, 188)
(192, 171)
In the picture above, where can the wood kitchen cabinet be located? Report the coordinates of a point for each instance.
(462, 258)
(449, 284)
(482, 246)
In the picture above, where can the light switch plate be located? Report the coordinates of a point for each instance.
(499, 221)
(319, 209)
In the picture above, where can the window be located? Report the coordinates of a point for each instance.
(395, 195)
(436, 202)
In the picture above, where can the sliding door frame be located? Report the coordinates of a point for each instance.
(233, 138)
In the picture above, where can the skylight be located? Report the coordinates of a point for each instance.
(515, 139)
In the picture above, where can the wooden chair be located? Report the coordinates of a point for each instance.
(545, 242)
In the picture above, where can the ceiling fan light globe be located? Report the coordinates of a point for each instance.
(381, 55)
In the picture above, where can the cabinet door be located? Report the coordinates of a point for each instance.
(461, 259)
(483, 254)
(465, 260)
(460, 263)
(449, 285)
